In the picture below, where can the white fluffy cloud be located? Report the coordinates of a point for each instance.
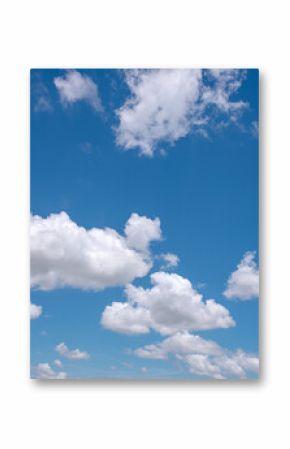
(203, 357)
(64, 254)
(244, 282)
(35, 311)
(74, 86)
(181, 343)
(232, 365)
(74, 354)
(166, 105)
(44, 371)
(126, 319)
(140, 231)
(170, 306)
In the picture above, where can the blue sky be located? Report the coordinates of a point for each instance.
(178, 145)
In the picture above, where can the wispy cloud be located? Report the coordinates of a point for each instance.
(171, 260)
(41, 97)
(86, 147)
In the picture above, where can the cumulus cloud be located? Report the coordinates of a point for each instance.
(44, 371)
(141, 231)
(170, 306)
(202, 357)
(35, 311)
(233, 365)
(244, 282)
(126, 319)
(182, 343)
(165, 105)
(171, 260)
(74, 87)
(201, 365)
(74, 354)
(64, 254)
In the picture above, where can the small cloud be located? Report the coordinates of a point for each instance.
(171, 260)
(43, 104)
(200, 285)
(74, 354)
(58, 363)
(144, 369)
(35, 311)
(243, 283)
(44, 371)
(74, 87)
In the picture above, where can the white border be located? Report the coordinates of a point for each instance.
(153, 34)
